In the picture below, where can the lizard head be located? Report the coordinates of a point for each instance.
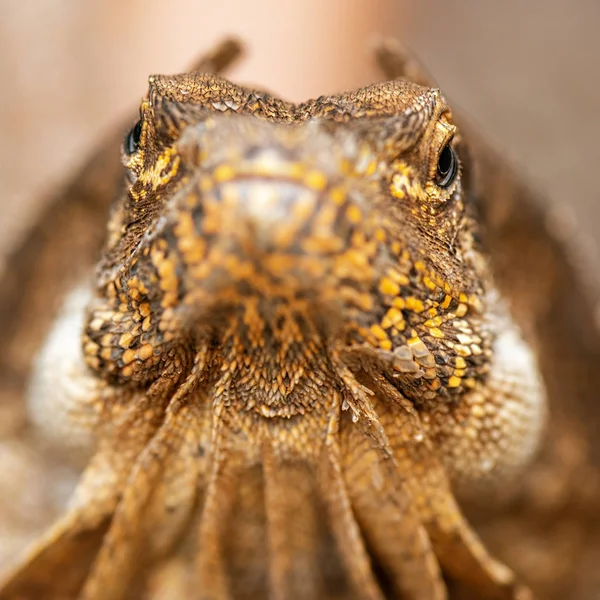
(253, 223)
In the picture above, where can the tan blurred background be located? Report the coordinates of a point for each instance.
(528, 72)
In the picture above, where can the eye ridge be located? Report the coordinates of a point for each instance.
(132, 141)
(447, 166)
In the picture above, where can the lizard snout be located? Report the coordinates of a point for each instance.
(272, 237)
(270, 223)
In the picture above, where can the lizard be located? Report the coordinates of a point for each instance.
(330, 470)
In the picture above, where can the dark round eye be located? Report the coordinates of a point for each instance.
(132, 141)
(447, 166)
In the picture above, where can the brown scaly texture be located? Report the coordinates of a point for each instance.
(549, 529)
(296, 346)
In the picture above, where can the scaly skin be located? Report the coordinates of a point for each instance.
(295, 346)
(549, 529)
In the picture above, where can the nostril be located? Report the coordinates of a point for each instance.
(198, 214)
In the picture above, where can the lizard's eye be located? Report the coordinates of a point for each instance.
(447, 166)
(132, 141)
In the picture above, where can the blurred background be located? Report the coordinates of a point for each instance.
(527, 72)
